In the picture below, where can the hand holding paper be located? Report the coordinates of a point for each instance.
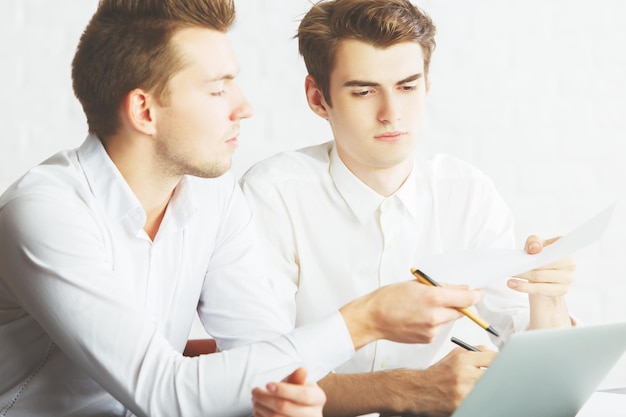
(552, 280)
(546, 287)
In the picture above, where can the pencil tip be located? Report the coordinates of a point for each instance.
(492, 331)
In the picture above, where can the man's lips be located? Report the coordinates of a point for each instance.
(390, 136)
(234, 140)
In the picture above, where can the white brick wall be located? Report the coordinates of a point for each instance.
(533, 93)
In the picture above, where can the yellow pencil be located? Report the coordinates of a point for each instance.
(425, 279)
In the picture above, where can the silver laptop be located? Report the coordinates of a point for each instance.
(546, 373)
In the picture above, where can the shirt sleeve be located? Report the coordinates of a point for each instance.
(54, 265)
(272, 220)
(238, 305)
(244, 270)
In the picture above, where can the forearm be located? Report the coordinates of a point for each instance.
(548, 312)
(436, 391)
(356, 394)
(358, 322)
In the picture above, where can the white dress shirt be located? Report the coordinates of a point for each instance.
(333, 239)
(94, 315)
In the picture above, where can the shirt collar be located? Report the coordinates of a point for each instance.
(407, 193)
(182, 205)
(114, 195)
(362, 200)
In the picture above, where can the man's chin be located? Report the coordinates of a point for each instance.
(213, 171)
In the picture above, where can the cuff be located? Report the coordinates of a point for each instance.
(324, 345)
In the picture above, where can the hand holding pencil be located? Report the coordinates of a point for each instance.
(405, 312)
(425, 279)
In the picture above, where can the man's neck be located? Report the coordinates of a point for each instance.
(133, 158)
(385, 181)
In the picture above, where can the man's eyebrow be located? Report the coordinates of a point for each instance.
(221, 77)
(363, 83)
(410, 78)
(360, 83)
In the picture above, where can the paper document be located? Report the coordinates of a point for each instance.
(478, 268)
(603, 404)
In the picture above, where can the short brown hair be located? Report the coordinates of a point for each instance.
(381, 23)
(126, 45)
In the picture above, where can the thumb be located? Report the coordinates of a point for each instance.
(297, 377)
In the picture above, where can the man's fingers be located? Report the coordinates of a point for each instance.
(288, 400)
(534, 244)
(548, 276)
(457, 297)
(297, 377)
(538, 288)
(548, 242)
(283, 393)
(483, 358)
(561, 271)
(260, 410)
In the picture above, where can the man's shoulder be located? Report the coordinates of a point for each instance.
(50, 196)
(57, 178)
(305, 164)
(459, 187)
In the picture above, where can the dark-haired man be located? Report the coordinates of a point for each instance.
(346, 217)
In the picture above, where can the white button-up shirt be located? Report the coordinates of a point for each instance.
(94, 315)
(333, 239)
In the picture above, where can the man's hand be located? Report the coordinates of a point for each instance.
(439, 390)
(551, 280)
(436, 391)
(406, 312)
(546, 287)
(294, 397)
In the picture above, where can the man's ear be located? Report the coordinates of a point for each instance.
(315, 98)
(139, 111)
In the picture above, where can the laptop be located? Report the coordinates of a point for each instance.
(547, 373)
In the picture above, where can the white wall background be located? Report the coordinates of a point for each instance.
(533, 93)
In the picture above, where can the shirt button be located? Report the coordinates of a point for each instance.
(384, 364)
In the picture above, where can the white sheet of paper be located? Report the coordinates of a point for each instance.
(478, 268)
(603, 404)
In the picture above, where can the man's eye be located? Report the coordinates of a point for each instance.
(409, 87)
(362, 93)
